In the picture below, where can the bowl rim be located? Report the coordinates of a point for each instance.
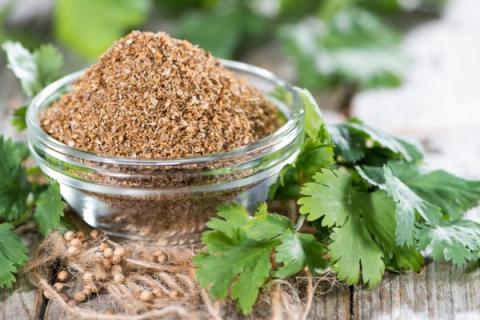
(294, 123)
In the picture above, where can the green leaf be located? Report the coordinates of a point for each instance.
(14, 186)
(408, 150)
(89, 27)
(353, 251)
(347, 144)
(457, 241)
(244, 267)
(355, 141)
(239, 248)
(314, 122)
(265, 226)
(407, 202)
(240, 263)
(223, 29)
(327, 197)
(234, 217)
(22, 63)
(378, 211)
(454, 195)
(49, 209)
(13, 255)
(314, 156)
(297, 251)
(34, 70)
(316, 152)
(19, 118)
(354, 47)
(49, 62)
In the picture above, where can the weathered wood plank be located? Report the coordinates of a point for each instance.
(335, 305)
(439, 291)
(22, 303)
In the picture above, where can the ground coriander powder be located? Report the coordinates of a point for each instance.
(151, 96)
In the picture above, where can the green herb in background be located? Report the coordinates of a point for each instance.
(29, 39)
(373, 205)
(331, 42)
(35, 70)
(397, 6)
(354, 48)
(223, 29)
(89, 27)
(22, 200)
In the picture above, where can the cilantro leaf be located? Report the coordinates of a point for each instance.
(13, 255)
(49, 62)
(224, 28)
(354, 253)
(296, 251)
(457, 241)
(49, 209)
(77, 22)
(355, 140)
(240, 262)
(265, 226)
(239, 248)
(354, 47)
(14, 186)
(316, 153)
(407, 202)
(34, 70)
(245, 267)
(347, 144)
(234, 218)
(22, 63)
(454, 195)
(352, 250)
(18, 120)
(408, 150)
(315, 127)
(327, 197)
(378, 211)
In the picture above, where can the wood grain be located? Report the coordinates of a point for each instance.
(439, 291)
(23, 302)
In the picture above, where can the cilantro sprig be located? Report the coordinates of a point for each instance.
(373, 204)
(240, 247)
(22, 199)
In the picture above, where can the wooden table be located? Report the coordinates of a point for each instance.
(439, 104)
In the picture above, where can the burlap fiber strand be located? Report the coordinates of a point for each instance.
(89, 276)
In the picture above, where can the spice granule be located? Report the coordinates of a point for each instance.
(151, 96)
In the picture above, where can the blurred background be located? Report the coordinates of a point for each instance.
(411, 67)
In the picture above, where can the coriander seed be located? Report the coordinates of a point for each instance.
(80, 296)
(118, 278)
(68, 236)
(62, 276)
(120, 251)
(116, 269)
(108, 252)
(146, 296)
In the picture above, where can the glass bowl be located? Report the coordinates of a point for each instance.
(167, 200)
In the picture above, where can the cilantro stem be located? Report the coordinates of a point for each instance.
(300, 222)
(25, 216)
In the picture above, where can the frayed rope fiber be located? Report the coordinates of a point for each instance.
(90, 276)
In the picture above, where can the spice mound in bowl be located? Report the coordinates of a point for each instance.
(155, 97)
(150, 140)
